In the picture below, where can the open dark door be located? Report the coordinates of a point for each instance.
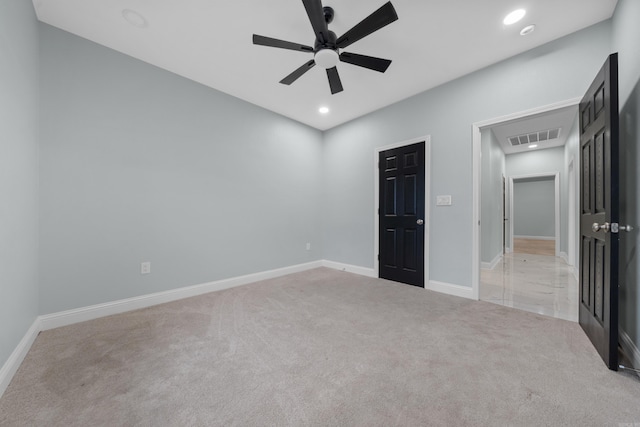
(599, 186)
(401, 213)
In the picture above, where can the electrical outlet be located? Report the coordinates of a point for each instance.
(145, 267)
(308, 246)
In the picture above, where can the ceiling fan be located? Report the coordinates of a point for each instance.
(327, 46)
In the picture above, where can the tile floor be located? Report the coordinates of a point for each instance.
(537, 283)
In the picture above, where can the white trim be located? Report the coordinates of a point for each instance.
(526, 113)
(376, 200)
(451, 289)
(556, 180)
(477, 176)
(574, 271)
(534, 237)
(12, 364)
(572, 268)
(572, 241)
(362, 271)
(476, 208)
(629, 348)
(69, 317)
(492, 264)
(564, 257)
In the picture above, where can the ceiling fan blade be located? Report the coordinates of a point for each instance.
(268, 41)
(378, 19)
(316, 17)
(370, 62)
(298, 73)
(334, 80)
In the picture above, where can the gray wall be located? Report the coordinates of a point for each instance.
(534, 208)
(547, 161)
(138, 164)
(493, 169)
(554, 72)
(18, 172)
(626, 34)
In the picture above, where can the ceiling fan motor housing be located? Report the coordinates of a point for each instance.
(326, 44)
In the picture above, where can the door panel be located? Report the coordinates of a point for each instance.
(402, 189)
(598, 311)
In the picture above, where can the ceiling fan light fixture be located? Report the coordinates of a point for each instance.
(326, 58)
(514, 17)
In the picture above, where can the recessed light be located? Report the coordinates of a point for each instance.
(527, 30)
(514, 17)
(533, 146)
(134, 18)
(323, 110)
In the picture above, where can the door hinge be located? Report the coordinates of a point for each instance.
(378, 257)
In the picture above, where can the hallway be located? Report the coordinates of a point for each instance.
(536, 283)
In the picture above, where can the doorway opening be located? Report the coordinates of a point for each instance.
(513, 150)
(534, 209)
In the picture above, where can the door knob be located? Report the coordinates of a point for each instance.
(597, 227)
(420, 222)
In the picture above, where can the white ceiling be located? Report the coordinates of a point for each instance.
(562, 118)
(210, 41)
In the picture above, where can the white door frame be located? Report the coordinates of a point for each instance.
(477, 176)
(376, 200)
(571, 224)
(556, 207)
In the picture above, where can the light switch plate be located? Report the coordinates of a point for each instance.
(145, 267)
(443, 200)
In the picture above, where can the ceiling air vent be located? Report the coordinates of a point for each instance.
(534, 137)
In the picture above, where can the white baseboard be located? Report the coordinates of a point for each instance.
(534, 237)
(363, 271)
(572, 268)
(630, 349)
(575, 272)
(564, 257)
(491, 265)
(12, 364)
(445, 288)
(451, 289)
(69, 317)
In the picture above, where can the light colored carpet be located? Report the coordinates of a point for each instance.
(319, 348)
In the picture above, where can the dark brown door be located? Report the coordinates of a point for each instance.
(599, 212)
(401, 213)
